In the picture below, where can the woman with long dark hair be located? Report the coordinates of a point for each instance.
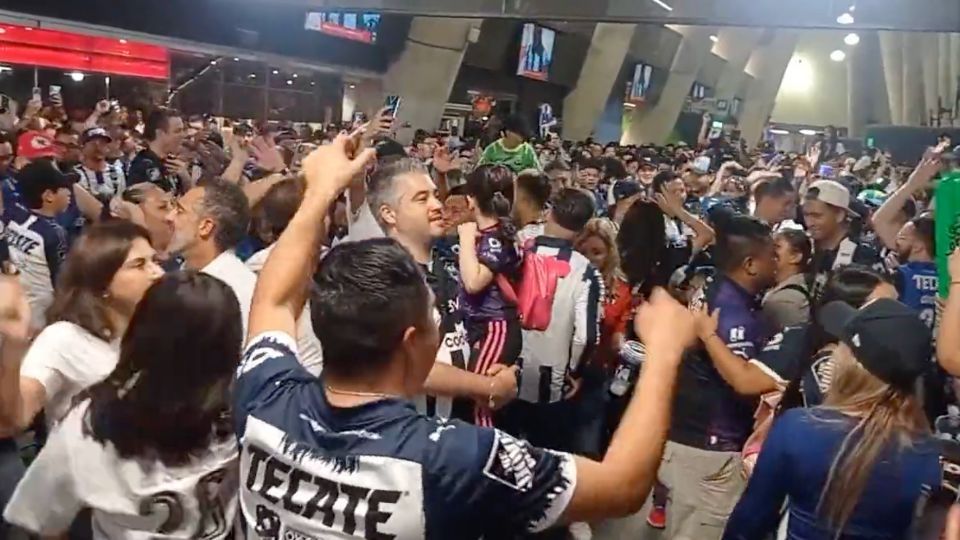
(857, 466)
(488, 250)
(642, 245)
(788, 303)
(150, 449)
(104, 276)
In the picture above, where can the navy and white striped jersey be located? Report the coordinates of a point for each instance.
(38, 246)
(105, 184)
(379, 470)
(574, 330)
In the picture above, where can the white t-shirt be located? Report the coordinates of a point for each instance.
(130, 499)
(364, 226)
(242, 278)
(66, 360)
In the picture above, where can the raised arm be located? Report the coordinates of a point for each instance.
(885, 219)
(282, 286)
(619, 484)
(21, 398)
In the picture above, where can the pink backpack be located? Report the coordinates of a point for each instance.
(533, 294)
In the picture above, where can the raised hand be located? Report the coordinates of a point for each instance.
(664, 324)
(333, 166)
(14, 310)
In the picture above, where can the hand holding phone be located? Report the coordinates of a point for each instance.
(392, 105)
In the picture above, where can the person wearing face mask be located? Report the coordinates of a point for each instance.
(102, 178)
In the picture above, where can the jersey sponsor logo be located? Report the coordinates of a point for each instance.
(925, 283)
(738, 333)
(510, 462)
(289, 533)
(775, 342)
(20, 242)
(441, 427)
(375, 497)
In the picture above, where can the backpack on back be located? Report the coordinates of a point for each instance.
(534, 292)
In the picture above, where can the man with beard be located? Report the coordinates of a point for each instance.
(402, 197)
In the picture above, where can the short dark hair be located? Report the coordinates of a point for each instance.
(662, 178)
(279, 204)
(590, 163)
(776, 188)
(516, 124)
(87, 272)
(926, 232)
(158, 119)
(799, 243)
(198, 357)
(556, 165)
(572, 209)
(738, 238)
(536, 185)
(367, 294)
(227, 205)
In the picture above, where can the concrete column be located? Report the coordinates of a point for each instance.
(913, 102)
(891, 49)
(931, 74)
(735, 46)
(866, 100)
(585, 103)
(943, 69)
(954, 72)
(656, 124)
(424, 73)
(768, 65)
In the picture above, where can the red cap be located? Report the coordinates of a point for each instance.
(34, 145)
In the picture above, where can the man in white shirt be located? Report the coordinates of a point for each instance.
(208, 222)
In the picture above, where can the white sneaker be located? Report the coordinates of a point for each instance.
(580, 531)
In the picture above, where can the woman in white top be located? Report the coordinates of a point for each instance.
(150, 449)
(104, 276)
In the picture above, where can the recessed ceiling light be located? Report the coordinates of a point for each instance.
(289, 82)
(845, 18)
(838, 56)
(779, 131)
(77, 76)
(235, 59)
(122, 41)
(851, 39)
(714, 38)
(808, 132)
(276, 72)
(295, 75)
(253, 75)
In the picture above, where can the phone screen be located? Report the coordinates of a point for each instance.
(54, 90)
(392, 104)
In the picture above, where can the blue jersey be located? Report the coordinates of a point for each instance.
(708, 413)
(38, 246)
(917, 284)
(378, 470)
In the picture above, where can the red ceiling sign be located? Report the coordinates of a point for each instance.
(69, 51)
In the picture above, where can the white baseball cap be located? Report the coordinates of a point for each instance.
(830, 192)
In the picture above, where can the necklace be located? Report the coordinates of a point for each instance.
(378, 395)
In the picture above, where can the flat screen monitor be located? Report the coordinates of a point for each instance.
(639, 86)
(361, 27)
(536, 52)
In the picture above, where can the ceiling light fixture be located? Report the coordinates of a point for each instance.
(662, 4)
(779, 131)
(235, 59)
(714, 38)
(851, 39)
(295, 75)
(289, 82)
(253, 75)
(123, 41)
(845, 18)
(838, 56)
(276, 72)
(77, 76)
(808, 132)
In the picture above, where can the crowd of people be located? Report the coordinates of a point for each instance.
(259, 332)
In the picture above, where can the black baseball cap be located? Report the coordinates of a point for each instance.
(624, 189)
(40, 176)
(887, 337)
(95, 133)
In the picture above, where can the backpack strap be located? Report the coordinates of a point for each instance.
(799, 288)
(844, 254)
(507, 288)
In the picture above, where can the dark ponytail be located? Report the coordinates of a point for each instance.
(491, 186)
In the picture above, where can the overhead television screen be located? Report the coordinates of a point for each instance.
(356, 26)
(698, 92)
(536, 52)
(639, 85)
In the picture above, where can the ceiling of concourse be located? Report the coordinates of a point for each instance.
(917, 15)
